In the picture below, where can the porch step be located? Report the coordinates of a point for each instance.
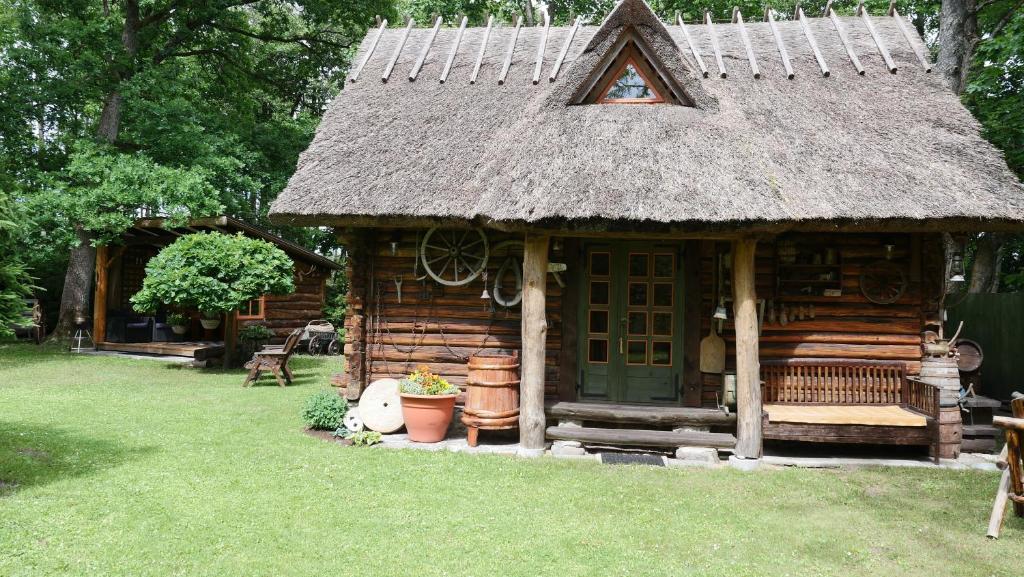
(647, 415)
(642, 437)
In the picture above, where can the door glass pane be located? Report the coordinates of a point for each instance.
(662, 294)
(664, 265)
(636, 353)
(637, 294)
(599, 292)
(661, 353)
(598, 351)
(661, 324)
(639, 265)
(599, 321)
(600, 263)
(637, 323)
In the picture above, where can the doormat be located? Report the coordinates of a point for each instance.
(632, 459)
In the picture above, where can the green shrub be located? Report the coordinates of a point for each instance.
(214, 273)
(324, 410)
(255, 332)
(177, 319)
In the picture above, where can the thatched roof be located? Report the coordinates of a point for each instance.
(874, 150)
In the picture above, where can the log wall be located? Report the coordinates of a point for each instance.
(437, 325)
(844, 327)
(283, 314)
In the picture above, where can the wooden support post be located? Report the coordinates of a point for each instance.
(99, 306)
(230, 338)
(356, 243)
(568, 366)
(748, 378)
(535, 330)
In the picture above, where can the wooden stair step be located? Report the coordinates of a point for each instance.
(648, 415)
(981, 431)
(642, 437)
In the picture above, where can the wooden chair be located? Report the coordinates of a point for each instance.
(1011, 460)
(273, 360)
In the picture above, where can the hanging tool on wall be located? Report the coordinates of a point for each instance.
(398, 287)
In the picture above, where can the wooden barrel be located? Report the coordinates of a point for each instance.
(944, 373)
(492, 394)
(951, 432)
(969, 356)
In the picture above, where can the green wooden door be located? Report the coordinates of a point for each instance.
(631, 320)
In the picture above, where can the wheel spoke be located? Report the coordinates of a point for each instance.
(456, 269)
(432, 261)
(435, 247)
(440, 273)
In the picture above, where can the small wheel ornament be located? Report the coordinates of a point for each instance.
(511, 251)
(454, 257)
(352, 422)
(883, 282)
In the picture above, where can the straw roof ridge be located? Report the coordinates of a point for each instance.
(882, 147)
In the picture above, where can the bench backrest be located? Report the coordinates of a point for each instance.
(831, 381)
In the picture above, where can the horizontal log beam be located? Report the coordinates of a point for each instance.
(642, 438)
(655, 416)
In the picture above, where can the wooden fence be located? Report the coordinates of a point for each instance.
(996, 322)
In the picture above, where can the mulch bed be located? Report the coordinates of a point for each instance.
(326, 436)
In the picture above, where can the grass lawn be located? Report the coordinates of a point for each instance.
(135, 467)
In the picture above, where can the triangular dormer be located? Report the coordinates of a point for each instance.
(632, 59)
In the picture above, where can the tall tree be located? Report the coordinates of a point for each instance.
(178, 107)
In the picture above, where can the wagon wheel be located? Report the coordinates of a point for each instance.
(333, 347)
(454, 257)
(314, 345)
(883, 282)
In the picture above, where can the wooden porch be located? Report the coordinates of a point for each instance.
(198, 350)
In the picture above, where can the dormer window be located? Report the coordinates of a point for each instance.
(630, 74)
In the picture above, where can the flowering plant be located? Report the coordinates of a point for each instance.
(424, 382)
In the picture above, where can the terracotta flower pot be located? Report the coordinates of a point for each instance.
(427, 416)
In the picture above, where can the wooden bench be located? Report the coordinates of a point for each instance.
(848, 401)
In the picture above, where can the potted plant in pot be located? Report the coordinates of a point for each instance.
(178, 322)
(428, 402)
(210, 320)
(254, 336)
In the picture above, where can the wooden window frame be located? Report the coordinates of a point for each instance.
(250, 317)
(671, 324)
(647, 301)
(590, 321)
(642, 70)
(672, 295)
(647, 319)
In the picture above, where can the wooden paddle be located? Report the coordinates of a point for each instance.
(712, 352)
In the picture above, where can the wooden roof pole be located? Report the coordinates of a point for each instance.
(910, 39)
(541, 45)
(748, 371)
(843, 37)
(398, 51)
(737, 18)
(863, 13)
(454, 50)
(770, 18)
(693, 47)
(714, 43)
(511, 50)
(354, 75)
(810, 40)
(426, 50)
(534, 331)
(483, 49)
(565, 50)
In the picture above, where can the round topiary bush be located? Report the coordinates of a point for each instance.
(324, 410)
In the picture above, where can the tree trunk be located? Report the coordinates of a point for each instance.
(81, 264)
(958, 37)
(74, 300)
(984, 268)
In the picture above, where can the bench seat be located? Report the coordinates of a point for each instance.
(882, 415)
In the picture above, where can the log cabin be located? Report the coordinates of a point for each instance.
(663, 219)
(121, 268)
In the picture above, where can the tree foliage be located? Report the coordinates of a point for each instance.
(15, 283)
(214, 273)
